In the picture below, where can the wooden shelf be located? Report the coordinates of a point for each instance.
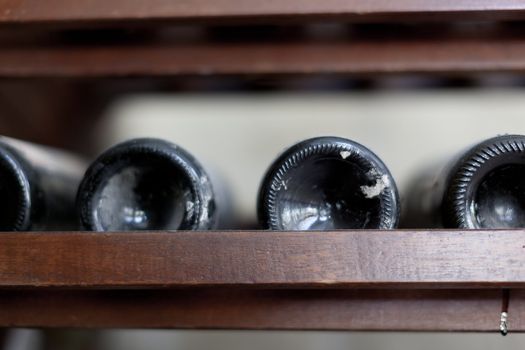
(99, 11)
(340, 259)
(353, 280)
(234, 308)
(446, 56)
(166, 51)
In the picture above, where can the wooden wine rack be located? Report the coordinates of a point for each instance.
(344, 280)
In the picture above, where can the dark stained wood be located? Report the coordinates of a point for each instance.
(359, 58)
(351, 259)
(400, 310)
(61, 113)
(3, 337)
(31, 11)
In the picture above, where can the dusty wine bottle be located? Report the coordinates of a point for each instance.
(328, 183)
(146, 184)
(482, 188)
(38, 185)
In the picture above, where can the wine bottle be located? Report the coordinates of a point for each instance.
(146, 184)
(328, 183)
(38, 185)
(482, 188)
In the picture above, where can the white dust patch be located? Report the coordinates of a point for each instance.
(375, 190)
(345, 154)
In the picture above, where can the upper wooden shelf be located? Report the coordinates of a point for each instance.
(264, 259)
(364, 57)
(101, 11)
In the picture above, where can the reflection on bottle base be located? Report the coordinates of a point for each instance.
(486, 187)
(328, 183)
(483, 188)
(146, 184)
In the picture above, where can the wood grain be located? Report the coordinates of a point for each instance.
(377, 310)
(31, 11)
(353, 58)
(351, 259)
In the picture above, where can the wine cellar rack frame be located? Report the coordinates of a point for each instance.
(424, 280)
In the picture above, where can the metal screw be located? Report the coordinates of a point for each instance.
(503, 324)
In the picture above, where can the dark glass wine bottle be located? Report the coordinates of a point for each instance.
(146, 184)
(328, 183)
(38, 185)
(482, 188)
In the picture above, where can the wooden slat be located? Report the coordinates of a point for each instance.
(360, 57)
(30, 11)
(378, 310)
(352, 259)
